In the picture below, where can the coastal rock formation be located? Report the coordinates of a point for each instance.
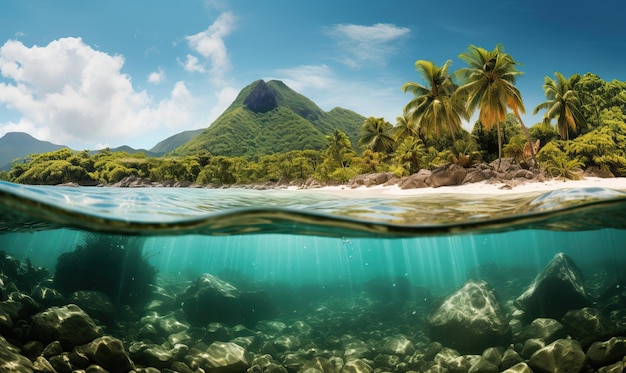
(470, 320)
(451, 175)
(68, 324)
(557, 289)
(561, 356)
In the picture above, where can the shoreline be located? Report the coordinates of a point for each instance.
(485, 188)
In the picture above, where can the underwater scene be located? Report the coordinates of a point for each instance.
(285, 281)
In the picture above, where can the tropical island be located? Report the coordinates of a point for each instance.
(271, 134)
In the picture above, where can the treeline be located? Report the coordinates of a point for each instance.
(589, 130)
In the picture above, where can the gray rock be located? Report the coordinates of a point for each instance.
(318, 364)
(11, 361)
(357, 350)
(561, 356)
(53, 348)
(608, 352)
(68, 324)
(588, 325)
(493, 355)
(40, 364)
(48, 297)
(109, 353)
(61, 363)
(557, 289)
(220, 357)
(545, 328)
(451, 175)
(415, 181)
(470, 320)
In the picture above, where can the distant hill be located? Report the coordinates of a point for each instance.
(129, 150)
(175, 141)
(14, 145)
(268, 118)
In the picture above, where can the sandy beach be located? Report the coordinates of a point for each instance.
(481, 188)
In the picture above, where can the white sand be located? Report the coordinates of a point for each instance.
(482, 188)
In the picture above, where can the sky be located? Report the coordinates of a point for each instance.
(91, 74)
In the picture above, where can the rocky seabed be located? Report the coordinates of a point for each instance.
(554, 325)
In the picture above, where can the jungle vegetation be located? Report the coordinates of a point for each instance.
(583, 126)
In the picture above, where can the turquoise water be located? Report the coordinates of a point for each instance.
(431, 241)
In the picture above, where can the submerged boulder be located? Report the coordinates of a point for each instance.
(68, 324)
(562, 355)
(556, 290)
(211, 299)
(470, 320)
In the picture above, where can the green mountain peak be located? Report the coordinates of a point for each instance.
(269, 117)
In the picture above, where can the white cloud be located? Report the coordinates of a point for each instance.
(68, 93)
(210, 43)
(193, 65)
(156, 77)
(367, 44)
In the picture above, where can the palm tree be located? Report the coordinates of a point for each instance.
(404, 129)
(409, 153)
(562, 104)
(376, 135)
(489, 86)
(435, 107)
(339, 148)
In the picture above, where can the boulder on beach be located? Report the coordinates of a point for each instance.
(556, 290)
(470, 320)
(447, 176)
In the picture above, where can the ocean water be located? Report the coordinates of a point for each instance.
(326, 259)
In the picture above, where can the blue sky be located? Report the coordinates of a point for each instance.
(89, 74)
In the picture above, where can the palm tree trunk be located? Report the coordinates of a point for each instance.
(499, 145)
(530, 141)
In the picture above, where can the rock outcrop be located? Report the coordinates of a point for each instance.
(556, 290)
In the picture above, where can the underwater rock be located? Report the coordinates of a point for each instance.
(447, 176)
(150, 354)
(356, 366)
(531, 346)
(557, 289)
(561, 356)
(42, 365)
(545, 328)
(48, 297)
(318, 365)
(510, 358)
(470, 320)
(210, 299)
(109, 353)
(95, 303)
(452, 360)
(518, 368)
(357, 350)
(11, 360)
(482, 365)
(588, 325)
(68, 324)
(219, 357)
(608, 352)
(397, 345)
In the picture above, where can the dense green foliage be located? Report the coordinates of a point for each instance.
(328, 153)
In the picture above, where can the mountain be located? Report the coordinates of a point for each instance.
(129, 150)
(268, 118)
(175, 141)
(14, 145)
